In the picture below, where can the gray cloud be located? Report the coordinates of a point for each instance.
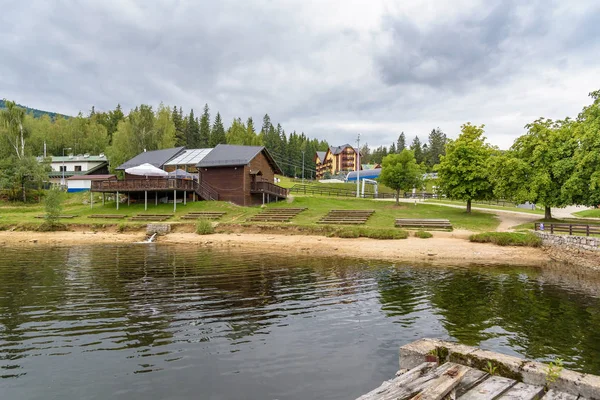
(330, 69)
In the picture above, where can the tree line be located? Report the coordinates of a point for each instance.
(554, 164)
(426, 154)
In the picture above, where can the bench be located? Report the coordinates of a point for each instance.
(60, 216)
(423, 223)
(204, 215)
(151, 217)
(108, 216)
(349, 217)
(276, 215)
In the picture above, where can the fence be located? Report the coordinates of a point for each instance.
(568, 228)
(337, 192)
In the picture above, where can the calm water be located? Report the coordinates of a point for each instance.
(158, 322)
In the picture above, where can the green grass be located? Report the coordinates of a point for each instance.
(14, 215)
(486, 206)
(423, 234)
(595, 213)
(507, 239)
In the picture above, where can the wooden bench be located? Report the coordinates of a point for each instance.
(276, 215)
(204, 215)
(349, 217)
(60, 216)
(107, 216)
(151, 217)
(423, 223)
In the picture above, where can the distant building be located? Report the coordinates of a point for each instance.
(74, 165)
(337, 159)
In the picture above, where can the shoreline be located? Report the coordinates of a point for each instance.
(442, 249)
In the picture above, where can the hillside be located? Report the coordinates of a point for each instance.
(36, 113)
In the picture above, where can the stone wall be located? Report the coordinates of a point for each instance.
(161, 229)
(572, 242)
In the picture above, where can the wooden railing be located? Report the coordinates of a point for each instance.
(205, 191)
(268, 187)
(143, 184)
(568, 228)
(338, 192)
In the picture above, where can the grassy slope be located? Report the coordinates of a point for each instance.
(595, 213)
(386, 212)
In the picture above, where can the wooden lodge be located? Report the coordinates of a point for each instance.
(243, 175)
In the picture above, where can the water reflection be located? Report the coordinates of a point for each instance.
(158, 321)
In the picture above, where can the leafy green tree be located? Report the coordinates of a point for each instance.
(401, 143)
(537, 166)
(463, 172)
(417, 149)
(53, 203)
(401, 172)
(583, 186)
(205, 128)
(12, 118)
(22, 177)
(217, 135)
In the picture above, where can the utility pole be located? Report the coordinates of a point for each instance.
(302, 166)
(358, 167)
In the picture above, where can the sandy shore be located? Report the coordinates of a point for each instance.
(441, 249)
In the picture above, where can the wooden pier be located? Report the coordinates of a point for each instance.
(468, 373)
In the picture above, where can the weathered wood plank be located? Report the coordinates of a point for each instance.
(472, 377)
(398, 381)
(489, 389)
(556, 395)
(523, 391)
(441, 386)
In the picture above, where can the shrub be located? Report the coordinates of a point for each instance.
(423, 234)
(204, 227)
(384, 234)
(347, 233)
(54, 206)
(122, 227)
(507, 239)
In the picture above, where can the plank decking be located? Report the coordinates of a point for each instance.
(276, 215)
(431, 382)
(346, 217)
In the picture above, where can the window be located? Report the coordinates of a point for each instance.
(78, 168)
(63, 168)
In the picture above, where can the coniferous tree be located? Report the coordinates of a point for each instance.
(217, 134)
(401, 144)
(205, 128)
(392, 149)
(437, 146)
(192, 131)
(417, 150)
(180, 138)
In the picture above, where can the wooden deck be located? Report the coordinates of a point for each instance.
(268, 188)
(203, 190)
(429, 381)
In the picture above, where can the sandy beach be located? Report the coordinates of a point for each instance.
(443, 248)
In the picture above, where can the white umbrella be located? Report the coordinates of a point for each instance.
(146, 170)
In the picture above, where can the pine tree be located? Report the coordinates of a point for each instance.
(393, 149)
(205, 128)
(437, 146)
(217, 134)
(192, 131)
(180, 139)
(417, 150)
(401, 144)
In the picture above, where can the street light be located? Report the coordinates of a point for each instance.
(63, 166)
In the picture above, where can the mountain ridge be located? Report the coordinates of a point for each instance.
(35, 112)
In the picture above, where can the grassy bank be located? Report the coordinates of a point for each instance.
(507, 239)
(14, 215)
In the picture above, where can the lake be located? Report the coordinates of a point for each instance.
(177, 322)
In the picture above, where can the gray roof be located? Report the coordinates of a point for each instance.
(228, 155)
(156, 157)
(321, 155)
(339, 149)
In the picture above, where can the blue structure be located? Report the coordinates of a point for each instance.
(364, 174)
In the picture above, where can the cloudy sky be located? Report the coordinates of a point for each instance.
(332, 69)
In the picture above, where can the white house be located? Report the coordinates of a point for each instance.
(82, 183)
(72, 165)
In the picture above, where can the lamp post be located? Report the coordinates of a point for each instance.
(63, 166)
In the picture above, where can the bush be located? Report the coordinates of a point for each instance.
(507, 239)
(204, 227)
(122, 227)
(423, 234)
(387, 234)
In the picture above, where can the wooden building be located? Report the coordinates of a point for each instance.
(243, 175)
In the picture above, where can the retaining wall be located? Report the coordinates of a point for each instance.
(572, 242)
